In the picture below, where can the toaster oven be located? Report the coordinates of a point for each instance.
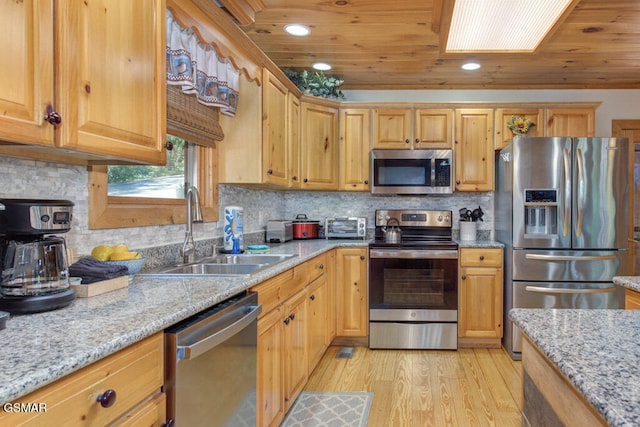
(345, 228)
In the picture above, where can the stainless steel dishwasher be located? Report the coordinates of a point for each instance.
(210, 372)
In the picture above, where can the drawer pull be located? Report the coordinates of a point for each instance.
(321, 266)
(107, 399)
(362, 257)
(287, 320)
(481, 257)
(312, 297)
(292, 316)
(464, 277)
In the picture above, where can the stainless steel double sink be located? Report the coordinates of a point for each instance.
(223, 265)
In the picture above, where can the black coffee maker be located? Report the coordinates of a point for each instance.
(35, 272)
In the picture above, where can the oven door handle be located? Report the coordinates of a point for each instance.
(413, 254)
(544, 290)
(195, 349)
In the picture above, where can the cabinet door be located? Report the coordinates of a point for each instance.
(293, 139)
(392, 128)
(570, 122)
(352, 304)
(319, 147)
(295, 355)
(110, 78)
(270, 369)
(26, 87)
(355, 143)
(474, 150)
(318, 320)
(480, 314)
(433, 128)
(274, 131)
(503, 116)
(631, 300)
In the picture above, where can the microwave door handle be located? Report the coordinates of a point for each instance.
(543, 290)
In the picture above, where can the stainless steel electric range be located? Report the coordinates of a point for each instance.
(413, 281)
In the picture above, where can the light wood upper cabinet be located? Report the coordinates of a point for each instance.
(274, 131)
(503, 116)
(352, 303)
(570, 122)
(319, 152)
(433, 128)
(355, 145)
(406, 128)
(480, 314)
(26, 89)
(104, 78)
(474, 150)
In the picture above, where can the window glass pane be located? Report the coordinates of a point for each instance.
(164, 182)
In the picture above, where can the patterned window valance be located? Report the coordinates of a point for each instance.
(196, 67)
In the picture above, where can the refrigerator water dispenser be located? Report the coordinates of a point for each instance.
(541, 210)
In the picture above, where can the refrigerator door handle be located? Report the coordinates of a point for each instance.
(538, 257)
(580, 190)
(543, 290)
(567, 191)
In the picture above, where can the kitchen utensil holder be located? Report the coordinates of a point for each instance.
(468, 230)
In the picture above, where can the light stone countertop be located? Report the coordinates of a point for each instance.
(597, 351)
(629, 282)
(481, 243)
(38, 349)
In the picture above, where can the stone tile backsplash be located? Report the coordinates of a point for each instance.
(21, 178)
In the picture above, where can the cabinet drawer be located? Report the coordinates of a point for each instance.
(153, 412)
(133, 373)
(481, 257)
(316, 267)
(275, 291)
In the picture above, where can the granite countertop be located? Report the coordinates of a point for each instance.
(480, 243)
(38, 349)
(629, 282)
(598, 352)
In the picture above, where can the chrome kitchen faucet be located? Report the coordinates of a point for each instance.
(194, 214)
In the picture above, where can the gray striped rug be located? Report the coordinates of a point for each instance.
(327, 409)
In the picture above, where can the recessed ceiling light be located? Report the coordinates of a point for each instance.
(501, 25)
(321, 66)
(297, 30)
(470, 66)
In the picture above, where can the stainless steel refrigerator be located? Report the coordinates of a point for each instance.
(561, 209)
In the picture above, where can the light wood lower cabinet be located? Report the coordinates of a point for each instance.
(631, 300)
(135, 374)
(352, 304)
(480, 300)
(318, 319)
(295, 347)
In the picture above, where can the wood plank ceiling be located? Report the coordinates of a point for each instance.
(381, 44)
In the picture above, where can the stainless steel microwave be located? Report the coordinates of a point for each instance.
(412, 171)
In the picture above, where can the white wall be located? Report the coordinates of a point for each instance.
(620, 104)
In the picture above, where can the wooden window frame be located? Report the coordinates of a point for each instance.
(122, 212)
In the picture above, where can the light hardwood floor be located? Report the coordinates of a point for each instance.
(415, 388)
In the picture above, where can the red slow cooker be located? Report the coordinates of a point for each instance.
(304, 228)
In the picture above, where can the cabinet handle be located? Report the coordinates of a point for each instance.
(169, 423)
(481, 257)
(53, 118)
(417, 141)
(406, 141)
(458, 182)
(168, 145)
(321, 267)
(292, 316)
(464, 277)
(366, 181)
(107, 399)
(295, 178)
(362, 257)
(269, 171)
(287, 320)
(312, 297)
(305, 180)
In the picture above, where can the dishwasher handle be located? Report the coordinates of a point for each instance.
(193, 350)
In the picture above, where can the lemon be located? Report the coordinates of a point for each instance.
(123, 256)
(102, 252)
(120, 248)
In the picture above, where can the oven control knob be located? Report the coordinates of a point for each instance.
(440, 218)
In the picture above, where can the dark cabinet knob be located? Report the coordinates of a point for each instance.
(305, 180)
(107, 399)
(169, 423)
(295, 178)
(406, 141)
(287, 320)
(292, 316)
(366, 181)
(458, 182)
(312, 297)
(321, 267)
(362, 257)
(168, 145)
(481, 257)
(270, 171)
(53, 118)
(417, 141)
(464, 277)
